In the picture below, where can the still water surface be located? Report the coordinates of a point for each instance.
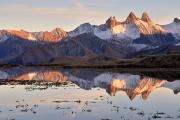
(87, 94)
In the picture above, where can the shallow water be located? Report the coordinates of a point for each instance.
(86, 94)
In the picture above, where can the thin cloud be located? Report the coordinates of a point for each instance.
(76, 11)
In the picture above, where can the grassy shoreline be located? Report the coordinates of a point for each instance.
(161, 61)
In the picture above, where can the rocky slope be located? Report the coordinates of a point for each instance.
(55, 35)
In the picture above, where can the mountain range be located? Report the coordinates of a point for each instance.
(126, 39)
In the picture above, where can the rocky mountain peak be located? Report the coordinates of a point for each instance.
(59, 33)
(85, 26)
(55, 35)
(132, 18)
(176, 20)
(111, 22)
(58, 29)
(145, 17)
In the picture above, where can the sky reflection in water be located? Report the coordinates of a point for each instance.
(86, 94)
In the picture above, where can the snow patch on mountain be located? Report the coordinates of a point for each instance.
(3, 38)
(31, 37)
(84, 28)
(123, 31)
(105, 35)
(173, 28)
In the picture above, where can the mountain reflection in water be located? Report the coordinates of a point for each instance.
(132, 84)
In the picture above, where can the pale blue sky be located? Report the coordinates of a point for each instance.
(35, 15)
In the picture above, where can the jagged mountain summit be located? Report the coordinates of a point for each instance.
(131, 28)
(146, 18)
(116, 39)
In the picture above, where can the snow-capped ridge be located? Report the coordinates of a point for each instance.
(112, 29)
(131, 28)
(85, 25)
(173, 28)
(83, 28)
